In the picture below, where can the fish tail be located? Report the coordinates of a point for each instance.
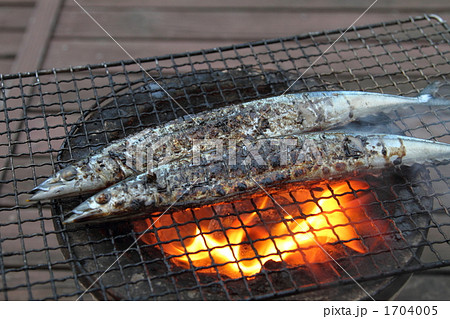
(429, 95)
(432, 88)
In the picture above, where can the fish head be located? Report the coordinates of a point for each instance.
(69, 181)
(114, 203)
(96, 207)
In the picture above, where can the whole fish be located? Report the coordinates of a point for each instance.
(313, 157)
(265, 118)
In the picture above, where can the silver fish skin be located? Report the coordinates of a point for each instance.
(265, 118)
(316, 157)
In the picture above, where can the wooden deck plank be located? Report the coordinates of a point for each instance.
(17, 3)
(31, 52)
(13, 20)
(8, 127)
(196, 25)
(29, 57)
(416, 288)
(36, 38)
(267, 4)
(5, 65)
(41, 287)
(10, 42)
(14, 17)
(13, 244)
(38, 141)
(24, 173)
(63, 53)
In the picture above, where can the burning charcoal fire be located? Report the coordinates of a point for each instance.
(304, 230)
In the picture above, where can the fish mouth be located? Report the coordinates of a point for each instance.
(50, 188)
(83, 213)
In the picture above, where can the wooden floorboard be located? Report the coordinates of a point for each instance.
(15, 17)
(35, 41)
(151, 28)
(16, 3)
(13, 21)
(24, 243)
(44, 285)
(27, 236)
(65, 52)
(238, 26)
(31, 53)
(5, 65)
(10, 42)
(414, 288)
(402, 5)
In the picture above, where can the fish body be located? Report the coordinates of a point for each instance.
(264, 118)
(313, 157)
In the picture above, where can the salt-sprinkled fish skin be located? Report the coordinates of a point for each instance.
(317, 156)
(270, 117)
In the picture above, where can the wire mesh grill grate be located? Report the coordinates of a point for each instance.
(49, 118)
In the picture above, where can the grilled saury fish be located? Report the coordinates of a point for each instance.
(265, 118)
(314, 156)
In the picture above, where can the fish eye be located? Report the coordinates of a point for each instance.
(69, 173)
(102, 198)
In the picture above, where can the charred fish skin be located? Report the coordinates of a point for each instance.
(317, 156)
(270, 117)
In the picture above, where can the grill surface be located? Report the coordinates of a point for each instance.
(69, 107)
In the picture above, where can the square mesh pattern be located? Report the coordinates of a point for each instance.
(53, 117)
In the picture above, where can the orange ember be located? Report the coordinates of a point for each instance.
(304, 230)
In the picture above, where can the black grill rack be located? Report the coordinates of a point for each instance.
(50, 118)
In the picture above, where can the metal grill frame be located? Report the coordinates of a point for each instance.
(66, 96)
